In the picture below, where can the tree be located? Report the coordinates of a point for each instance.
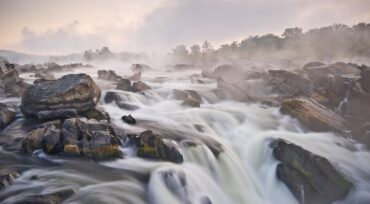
(195, 50)
(292, 32)
(207, 47)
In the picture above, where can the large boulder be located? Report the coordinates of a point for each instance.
(311, 178)
(73, 91)
(7, 115)
(109, 75)
(154, 146)
(229, 73)
(189, 97)
(124, 85)
(288, 84)
(314, 115)
(139, 86)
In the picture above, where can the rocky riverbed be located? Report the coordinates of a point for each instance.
(145, 134)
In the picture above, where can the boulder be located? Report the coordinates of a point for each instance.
(311, 178)
(46, 137)
(313, 64)
(7, 115)
(73, 91)
(314, 115)
(115, 97)
(189, 97)
(129, 119)
(109, 75)
(10, 82)
(139, 86)
(229, 73)
(90, 138)
(124, 85)
(337, 69)
(96, 114)
(154, 146)
(7, 176)
(136, 76)
(140, 67)
(365, 80)
(46, 75)
(288, 84)
(57, 114)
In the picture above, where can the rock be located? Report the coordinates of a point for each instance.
(51, 140)
(129, 119)
(45, 137)
(33, 140)
(235, 91)
(288, 84)
(11, 83)
(136, 76)
(314, 115)
(96, 114)
(311, 178)
(153, 146)
(90, 138)
(365, 80)
(313, 64)
(115, 97)
(57, 114)
(52, 198)
(127, 106)
(189, 97)
(337, 69)
(45, 75)
(229, 73)
(140, 67)
(6, 115)
(73, 91)
(139, 86)
(7, 176)
(109, 75)
(124, 85)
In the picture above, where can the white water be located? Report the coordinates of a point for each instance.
(244, 173)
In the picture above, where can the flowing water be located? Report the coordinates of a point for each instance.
(244, 172)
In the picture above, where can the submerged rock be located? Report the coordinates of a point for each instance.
(314, 115)
(311, 178)
(129, 119)
(154, 146)
(7, 176)
(6, 115)
(109, 75)
(139, 86)
(189, 97)
(73, 91)
(124, 85)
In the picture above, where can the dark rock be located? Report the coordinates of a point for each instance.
(6, 115)
(288, 84)
(90, 138)
(153, 146)
(39, 199)
(365, 80)
(311, 178)
(57, 114)
(314, 115)
(140, 67)
(191, 102)
(11, 83)
(139, 86)
(136, 76)
(73, 91)
(96, 114)
(51, 140)
(34, 140)
(111, 97)
(313, 64)
(129, 119)
(124, 85)
(109, 75)
(127, 106)
(7, 176)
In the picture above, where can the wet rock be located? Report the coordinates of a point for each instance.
(314, 115)
(7, 115)
(136, 76)
(96, 114)
(73, 91)
(57, 114)
(109, 75)
(337, 69)
(90, 138)
(140, 67)
(113, 97)
(311, 178)
(189, 97)
(51, 140)
(40, 199)
(288, 84)
(234, 89)
(129, 119)
(33, 140)
(139, 86)
(365, 80)
(313, 64)
(45, 137)
(124, 85)
(127, 106)
(7, 176)
(229, 73)
(153, 146)
(10, 82)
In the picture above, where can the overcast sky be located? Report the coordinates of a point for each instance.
(65, 26)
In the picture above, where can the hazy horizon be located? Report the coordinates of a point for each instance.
(62, 27)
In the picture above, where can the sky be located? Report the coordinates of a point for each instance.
(155, 26)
